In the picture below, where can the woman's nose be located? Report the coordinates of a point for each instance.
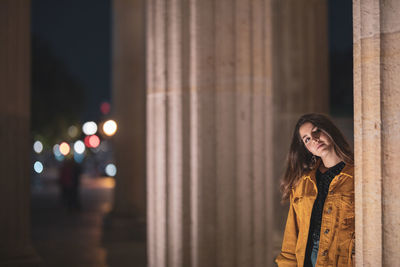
(315, 137)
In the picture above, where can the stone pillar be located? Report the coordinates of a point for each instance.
(128, 217)
(377, 131)
(301, 82)
(214, 105)
(15, 164)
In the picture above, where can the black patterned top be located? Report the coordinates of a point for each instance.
(323, 182)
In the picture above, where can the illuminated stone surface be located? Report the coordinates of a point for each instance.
(377, 131)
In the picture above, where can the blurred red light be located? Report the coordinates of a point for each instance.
(86, 141)
(94, 141)
(105, 108)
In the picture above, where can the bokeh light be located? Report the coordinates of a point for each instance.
(94, 141)
(111, 170)
(86, 141)
(105, 108)
(59, 157)
(79, 147)
(38, 147)
(56, 150)
(79, 157)
(110, 127)
(38, 167)
(64, 148)
(89, 128)
(73, 131)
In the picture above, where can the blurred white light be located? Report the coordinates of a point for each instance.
(56, 150)
(89, 128)
(73, 131)
(111, 170)
(79, 147)
(110, 127)
(38, 146)
(38, 167)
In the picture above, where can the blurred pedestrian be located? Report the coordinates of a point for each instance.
(69, 180)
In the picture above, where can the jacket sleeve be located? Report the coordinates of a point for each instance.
(287, 257)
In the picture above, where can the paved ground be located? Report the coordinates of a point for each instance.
(66, 238)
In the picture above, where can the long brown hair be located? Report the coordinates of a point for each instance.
(300, 161)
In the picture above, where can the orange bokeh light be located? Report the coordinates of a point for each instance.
(64, 148)
(110, 127)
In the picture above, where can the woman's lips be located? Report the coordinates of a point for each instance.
(319, 146)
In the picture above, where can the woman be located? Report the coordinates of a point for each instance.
(319, 184)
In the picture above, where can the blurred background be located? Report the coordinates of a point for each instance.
(84, 210)
(72, 131)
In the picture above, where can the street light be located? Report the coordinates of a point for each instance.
(110, 127)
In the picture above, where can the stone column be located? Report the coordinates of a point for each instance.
(128, 217)
(15, 164)
(377, 131)
(213, 108)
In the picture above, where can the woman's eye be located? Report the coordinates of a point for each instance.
(306, 140)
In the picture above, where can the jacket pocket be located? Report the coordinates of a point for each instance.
(297, 199)
(346, 249)
(347, 212)
(347, 202)
(298, 206)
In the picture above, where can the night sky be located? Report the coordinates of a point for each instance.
(340, 25)
(78, 33)
(340, 32)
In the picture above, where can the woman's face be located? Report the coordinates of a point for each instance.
(315, 140)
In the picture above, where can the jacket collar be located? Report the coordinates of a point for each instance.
(348, 171)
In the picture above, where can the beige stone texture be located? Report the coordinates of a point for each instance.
(15, 164)
(376, 125)
(206, 141)
(222, 99)
(390, 145)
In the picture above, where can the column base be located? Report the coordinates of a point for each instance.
(122, 227)
(19, 257)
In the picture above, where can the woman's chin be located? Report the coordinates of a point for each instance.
(325, 152)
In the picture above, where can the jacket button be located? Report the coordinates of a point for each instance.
(325, 253)
(329, 210)
(326, 231)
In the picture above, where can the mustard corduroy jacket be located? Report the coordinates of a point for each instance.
(336, 245)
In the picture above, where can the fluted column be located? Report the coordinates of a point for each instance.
(15, 164)
(377, 131)
(127, 219)
(213, 108)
